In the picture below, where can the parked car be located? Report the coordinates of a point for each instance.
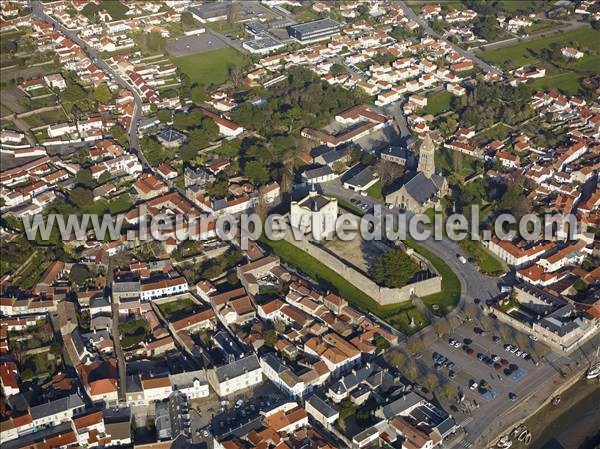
(532, 337)
(473, 385)
(512, 396)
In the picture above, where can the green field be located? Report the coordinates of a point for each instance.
(487, 262)
(449, 297)
(437, 103)
(375, 191)
(46, 118)
(211, 67)
(527, 53)
(515, 5)
(567, 82)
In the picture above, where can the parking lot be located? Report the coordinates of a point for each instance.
(190, 45)
(503, 391)
(500, 377)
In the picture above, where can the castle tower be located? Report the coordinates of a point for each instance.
(427, 157)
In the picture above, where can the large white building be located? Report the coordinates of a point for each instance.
(314, 213)
(235, 376)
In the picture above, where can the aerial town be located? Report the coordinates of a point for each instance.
(197, 112)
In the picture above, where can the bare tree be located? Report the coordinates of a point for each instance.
(388, 171)
(442, 327)
(471, 311)
(414, 344)
(233, 12)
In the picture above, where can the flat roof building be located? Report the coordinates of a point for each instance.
(313, 31)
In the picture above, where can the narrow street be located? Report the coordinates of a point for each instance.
(37, 12)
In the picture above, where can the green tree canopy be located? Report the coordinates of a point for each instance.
(102, 94)
(78, 274)
(394, 269)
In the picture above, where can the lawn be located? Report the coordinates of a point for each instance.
(376, 191)
(437, 103)
(448, 298)
(210, 67)
(116, 9)
(39, 365)
(516, 5)
(487, 262)
(527, 53)
(566, 82)
(172, 310)
(46, 118)
(132, 332)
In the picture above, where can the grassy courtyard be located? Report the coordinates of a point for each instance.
(376, 191)
(448, 298)
(132, 332)
(487, 262)
(173, 310)
(438, 103)
(210, 67)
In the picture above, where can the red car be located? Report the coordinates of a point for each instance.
(504, 362)
(471, 352)
(497, 366)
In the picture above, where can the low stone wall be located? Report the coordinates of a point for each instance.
(382, 295)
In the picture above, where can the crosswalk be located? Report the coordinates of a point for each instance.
(466, 421)
(465, 444)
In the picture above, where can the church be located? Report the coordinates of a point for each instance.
(425, 188)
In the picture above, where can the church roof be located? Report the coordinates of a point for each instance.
(422, 189)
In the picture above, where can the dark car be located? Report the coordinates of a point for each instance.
(496, 339)
(512, 396)
(503, 362)
(467, 341)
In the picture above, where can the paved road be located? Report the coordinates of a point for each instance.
(408, 12)
(38, 12)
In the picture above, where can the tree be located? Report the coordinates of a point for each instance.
(164, 115)
(449, 391)
(256, 173)
(102, 94)
(198, 94)
(471, 311)
(396, 358)
(78, 274)
(381, 344)
(431, 381)
(84, 177)
(394, 269)
(120, 135)
(187, 19)
(414, 344)
(337, 69)
(441, 327)
(271, 338)
(388, 171)
(338, 167)
(233, 12)
(82, 197)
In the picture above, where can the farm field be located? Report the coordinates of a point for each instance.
(528, 52)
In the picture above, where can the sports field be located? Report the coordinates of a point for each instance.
(210, 67)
